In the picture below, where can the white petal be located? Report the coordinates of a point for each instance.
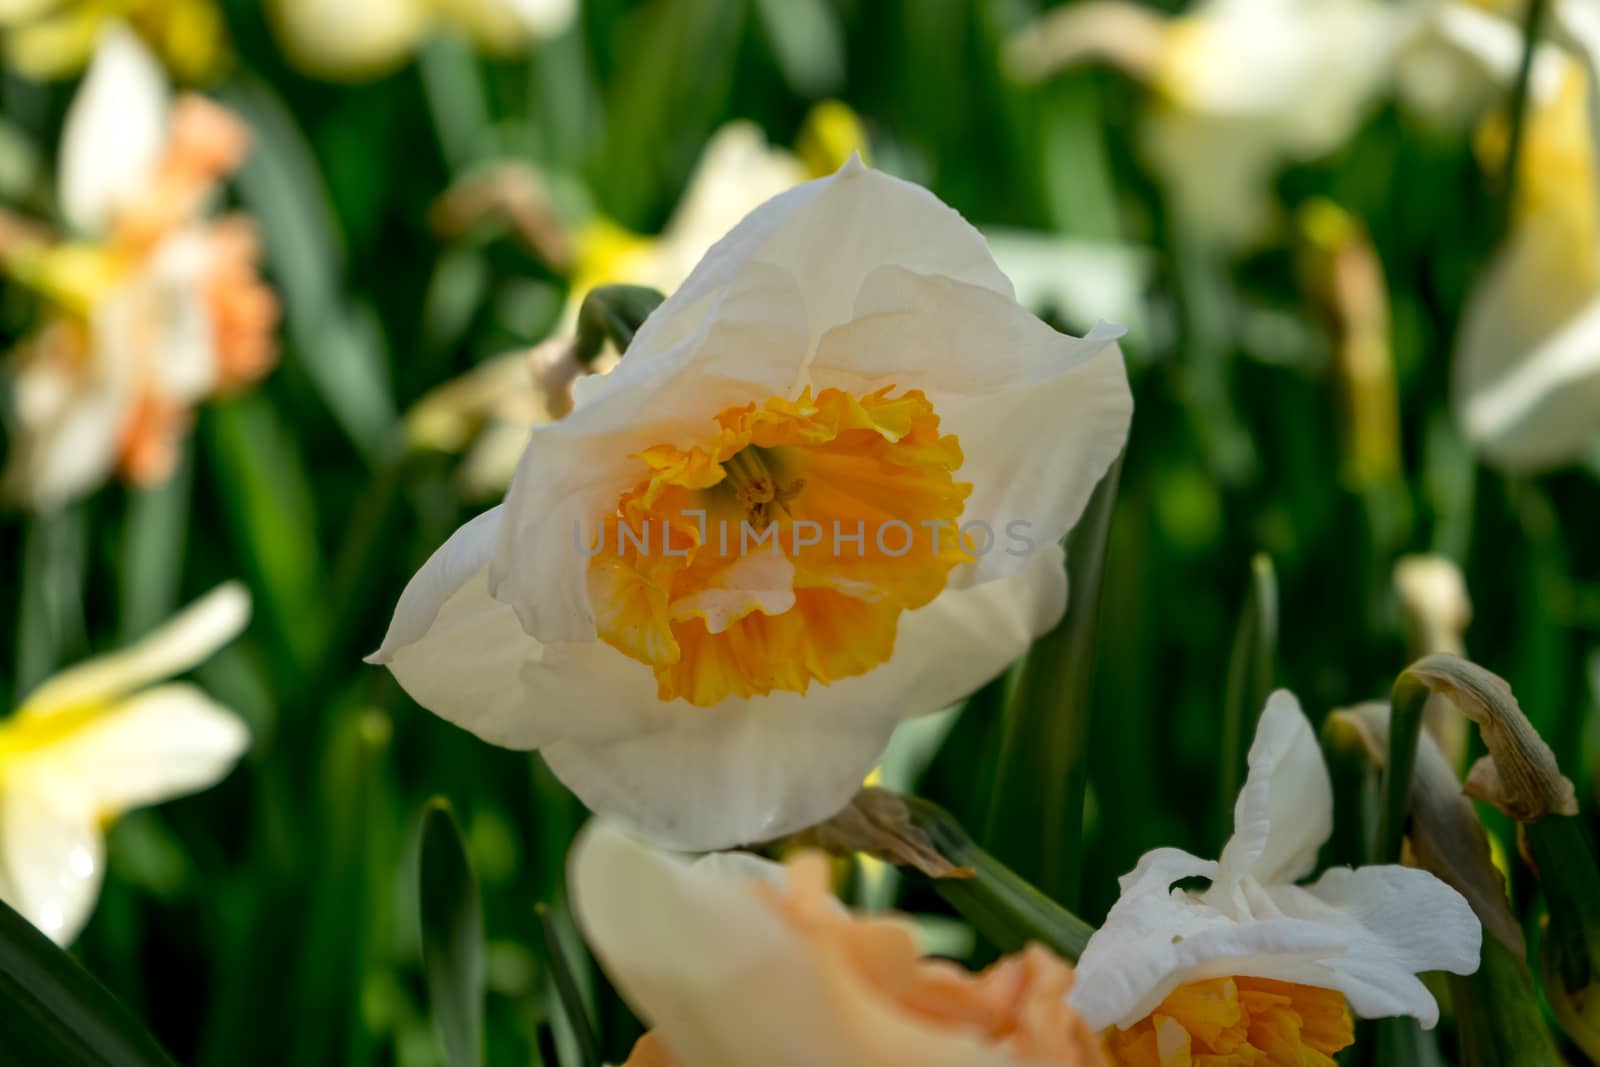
(463, 655)
(348, 38)
(159, 323)
(543, 18)
(115, 131)
(1285, 810)
(828, 235)
(1527, 366)
(725, 982)
(1130, 963)
(163, 743)
(186, 640)
(1040, 415)
(694, 777)
(1403, 921)
(743, 771)
(70, 408)
(51, 854)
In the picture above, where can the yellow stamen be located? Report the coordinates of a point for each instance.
(1238, 1022)
(785, 552)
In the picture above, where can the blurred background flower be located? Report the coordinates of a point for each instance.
(150, 306)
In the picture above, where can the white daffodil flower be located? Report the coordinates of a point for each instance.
(1254, 956)
(99, 739)
(848, 360)
(1526, 385)
(151, 306)
(736, 962)
(1242, 88)
(360, 39)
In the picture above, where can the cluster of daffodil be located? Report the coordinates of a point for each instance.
(148, 303)
(849, 356)
(1241, 89)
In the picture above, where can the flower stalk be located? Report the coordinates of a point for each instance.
(911, 832)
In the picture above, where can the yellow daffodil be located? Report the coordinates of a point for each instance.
(844, 379)
(149, 306)
(1527, 366)
(740, 963)
(359, 39)
(1257, 968)
(1241, 89)
(56, 38)
(99, 739)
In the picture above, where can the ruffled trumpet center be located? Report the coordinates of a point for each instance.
(1238, 1022)
(784, 552)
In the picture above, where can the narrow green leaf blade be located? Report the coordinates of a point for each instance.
(452, 937)
(53, 1013)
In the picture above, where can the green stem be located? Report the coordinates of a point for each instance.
(999, 903)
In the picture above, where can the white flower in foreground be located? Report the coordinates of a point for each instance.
(1526, 385)
(847, 359)
(739, 963)
(1256, 963)
(99, 739)
(151, 306)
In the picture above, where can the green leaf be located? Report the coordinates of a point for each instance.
(452, 936)
(53, 1013)
(340, 351)
(265, 488)
(572, 1006)
(50, 613)
(1251, 668)
(1036, 821)
(154, 535)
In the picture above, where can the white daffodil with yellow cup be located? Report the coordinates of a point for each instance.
(1257, 968)
(736, 962)
(799, 434)
(149, 305)
(1240, 88)
(103, 737)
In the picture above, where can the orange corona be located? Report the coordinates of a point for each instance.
(784, 553)
(1238, 1022)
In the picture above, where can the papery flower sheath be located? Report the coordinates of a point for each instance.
(1256, 968)
(847, 360)
(99, 739)
(149, 305)
(736, 962)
